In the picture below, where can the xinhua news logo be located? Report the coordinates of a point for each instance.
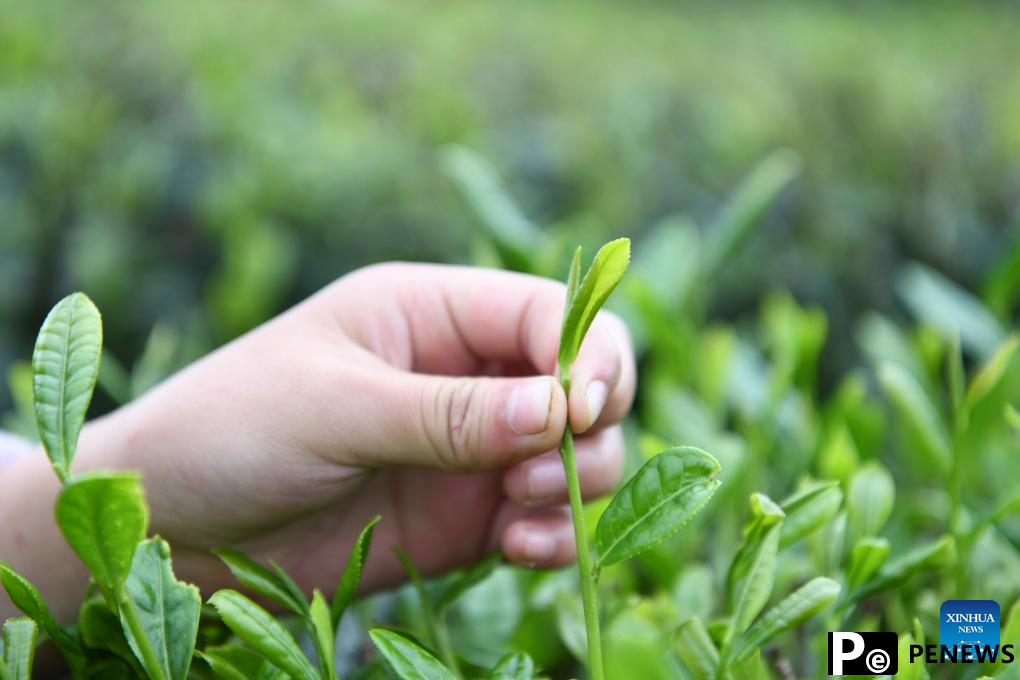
(971, 626)
(863, 654)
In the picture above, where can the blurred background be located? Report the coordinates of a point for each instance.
(205, 165)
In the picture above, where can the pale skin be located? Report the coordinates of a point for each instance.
(421, 393)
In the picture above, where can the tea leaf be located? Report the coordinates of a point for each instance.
(513, 666)
(573, 277)
(898, 572)
(100, 628)
(917, 409)
(746, 207)
(167, 609)
(408, 660)
(19, 638)
(233, 662)
(325, 638)
(991, 373)
(103, 517)
(288, 584)
(656, 502)
(694, 646)
(65, 366)
(261, 581)
(809, 510)
(605, 273)
(26, 598)
(867, 556)
(802, 604)
(469, 579)
(870, 499)
(765, 515)
(255, 626)
(351, 576)
(753, 589)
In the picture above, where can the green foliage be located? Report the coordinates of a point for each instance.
(19, 636)
(408, 660)
(352, 573)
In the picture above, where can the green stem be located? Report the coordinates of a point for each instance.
(589, 596)
(150, 661)
(956, 502)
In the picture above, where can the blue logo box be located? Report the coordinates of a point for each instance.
(969, 622)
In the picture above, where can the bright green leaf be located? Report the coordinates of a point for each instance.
(605, 273)
(658, 500)
(261, 581)
(65, 365)
(233, 662)
(918, 411)
(351, 576)
(513, 666)
(867, 557)
(694, 646)
(1010, 635)
(752, 590)
(19, 636)
(408, 660)
(920, 559)
(573, 277)
(870, 499)
(809, 510)
(167, 609)
(255, 626)
(802, 604)
(991, 373)
(103, 517)
(26, 598)
(325, 638)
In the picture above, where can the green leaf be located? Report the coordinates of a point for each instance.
(351, 576)
(867, 557)
(908, 671)
(1010, 636)
(605, 273)
(103, 517)
(65, 365)
(325, 638)
(255, 626)
(658, 500)
(167, 609)
(752, 591)
(746, 206)
(801, 605)
(918, 411)
(261, 581)
(513, 666)
(26, 598)
(694, 646)
(870, 499)
(238, 663)
(288, 584)
(920, 559)
(100, 628)
(466, 581)
(19, 648)
(809, 510)
(957, 378)
(408, 660)
(765, 516)
(991, 373)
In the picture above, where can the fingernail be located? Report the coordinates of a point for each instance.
(539, 548)
(595, 395)
(545, 481)
(527, 412)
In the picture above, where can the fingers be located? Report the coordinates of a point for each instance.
(541, 481)
(543, 540)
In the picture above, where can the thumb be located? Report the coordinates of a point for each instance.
(479, 423)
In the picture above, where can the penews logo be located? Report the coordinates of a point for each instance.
(863, 653)
(971, 626)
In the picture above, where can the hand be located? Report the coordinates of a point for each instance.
(407, 391)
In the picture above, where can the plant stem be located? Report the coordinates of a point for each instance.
(589, 596)
(963, 544)
(150, 662)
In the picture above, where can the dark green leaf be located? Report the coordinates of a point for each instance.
(65, 365)
(261, 581)
(658, 500)
(255, 626)
(605, 273)
(167, 609)
(103, 517)
(351, 576)
(408, 660)
(513, 666)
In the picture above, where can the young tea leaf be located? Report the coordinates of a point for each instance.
(261, 581)
(167, 609)
(65, 365)
(19, 638)
(513, 666)
(234, 662)
(991, 373)
(809, 510)
(26, 598)
(573, 277)
(103, 517)
(867, 557)
(805, 602)
(408, 660)
(870, 499)
(893, 575)
(606, 270)
(664, 495)
(351, 576)
(325, 638)
(752, 591)
(255, 626)
(694, 646)
(100, 628)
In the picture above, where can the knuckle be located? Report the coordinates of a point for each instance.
(454, 432)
